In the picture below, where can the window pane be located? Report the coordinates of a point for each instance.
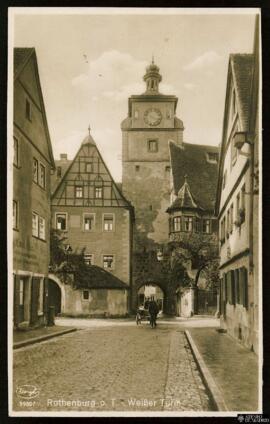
(85, 295)
(177, 223)
(21, 291)
(15, 151)
(28, 111)
(35, 224)
(108, 223)
(152, 145)
(42, 176)
(88, 259)
(42, 228)
(188, 221)
(98, 192)
(59, 171)
(88, 223)
(88, 167)
(35, 170)
(108, 261)
(61, 222)
(79, 192)
(15, 214)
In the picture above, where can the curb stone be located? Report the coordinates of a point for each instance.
(206, 376)
(38, 339)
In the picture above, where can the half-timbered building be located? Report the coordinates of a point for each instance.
(90, 210)
(237, 203)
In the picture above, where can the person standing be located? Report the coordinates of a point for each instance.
(153, 311)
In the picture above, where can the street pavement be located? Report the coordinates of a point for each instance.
(110, 368)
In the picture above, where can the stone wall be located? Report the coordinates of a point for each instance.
(101, 302)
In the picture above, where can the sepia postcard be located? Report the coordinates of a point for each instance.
(134, 212)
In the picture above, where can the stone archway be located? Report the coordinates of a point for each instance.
(56, 293)
(147, 291)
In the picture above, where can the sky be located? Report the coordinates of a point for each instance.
(91, 61)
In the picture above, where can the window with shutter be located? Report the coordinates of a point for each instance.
(229, 287)
(232, 288)
(245, 287)
(236, 285)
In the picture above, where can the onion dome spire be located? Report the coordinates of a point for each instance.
(152, 78)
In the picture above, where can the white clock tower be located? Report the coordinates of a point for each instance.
(151, 123)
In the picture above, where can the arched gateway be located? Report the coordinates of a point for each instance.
(56, 294)
(148, 291)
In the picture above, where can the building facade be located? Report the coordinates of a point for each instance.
(32, 164)
(237, 200)
(192, 221)
(89, 209)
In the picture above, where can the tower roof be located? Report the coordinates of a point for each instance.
(88, 139)
(152, 78)
(193, 160)
(184, 198)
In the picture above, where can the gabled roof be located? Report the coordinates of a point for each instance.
(21, 58)
(88, 140)
(184, 200)
(191, 161)
(242, 71)
(99, 278)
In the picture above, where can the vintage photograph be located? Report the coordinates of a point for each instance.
(134, 203)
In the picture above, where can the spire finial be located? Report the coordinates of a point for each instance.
(89, 129)
(153, 59)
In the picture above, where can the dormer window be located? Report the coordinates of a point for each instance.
(212, 157)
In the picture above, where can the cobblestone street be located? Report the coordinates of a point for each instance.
(121, 368)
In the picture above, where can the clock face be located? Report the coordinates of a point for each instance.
(152, 116)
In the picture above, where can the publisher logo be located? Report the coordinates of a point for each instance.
(27, 391)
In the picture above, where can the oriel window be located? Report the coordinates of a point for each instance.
(188, 223)
(177, 223)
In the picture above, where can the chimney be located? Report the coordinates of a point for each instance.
(63, 156)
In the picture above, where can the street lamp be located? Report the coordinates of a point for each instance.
(239, 139)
